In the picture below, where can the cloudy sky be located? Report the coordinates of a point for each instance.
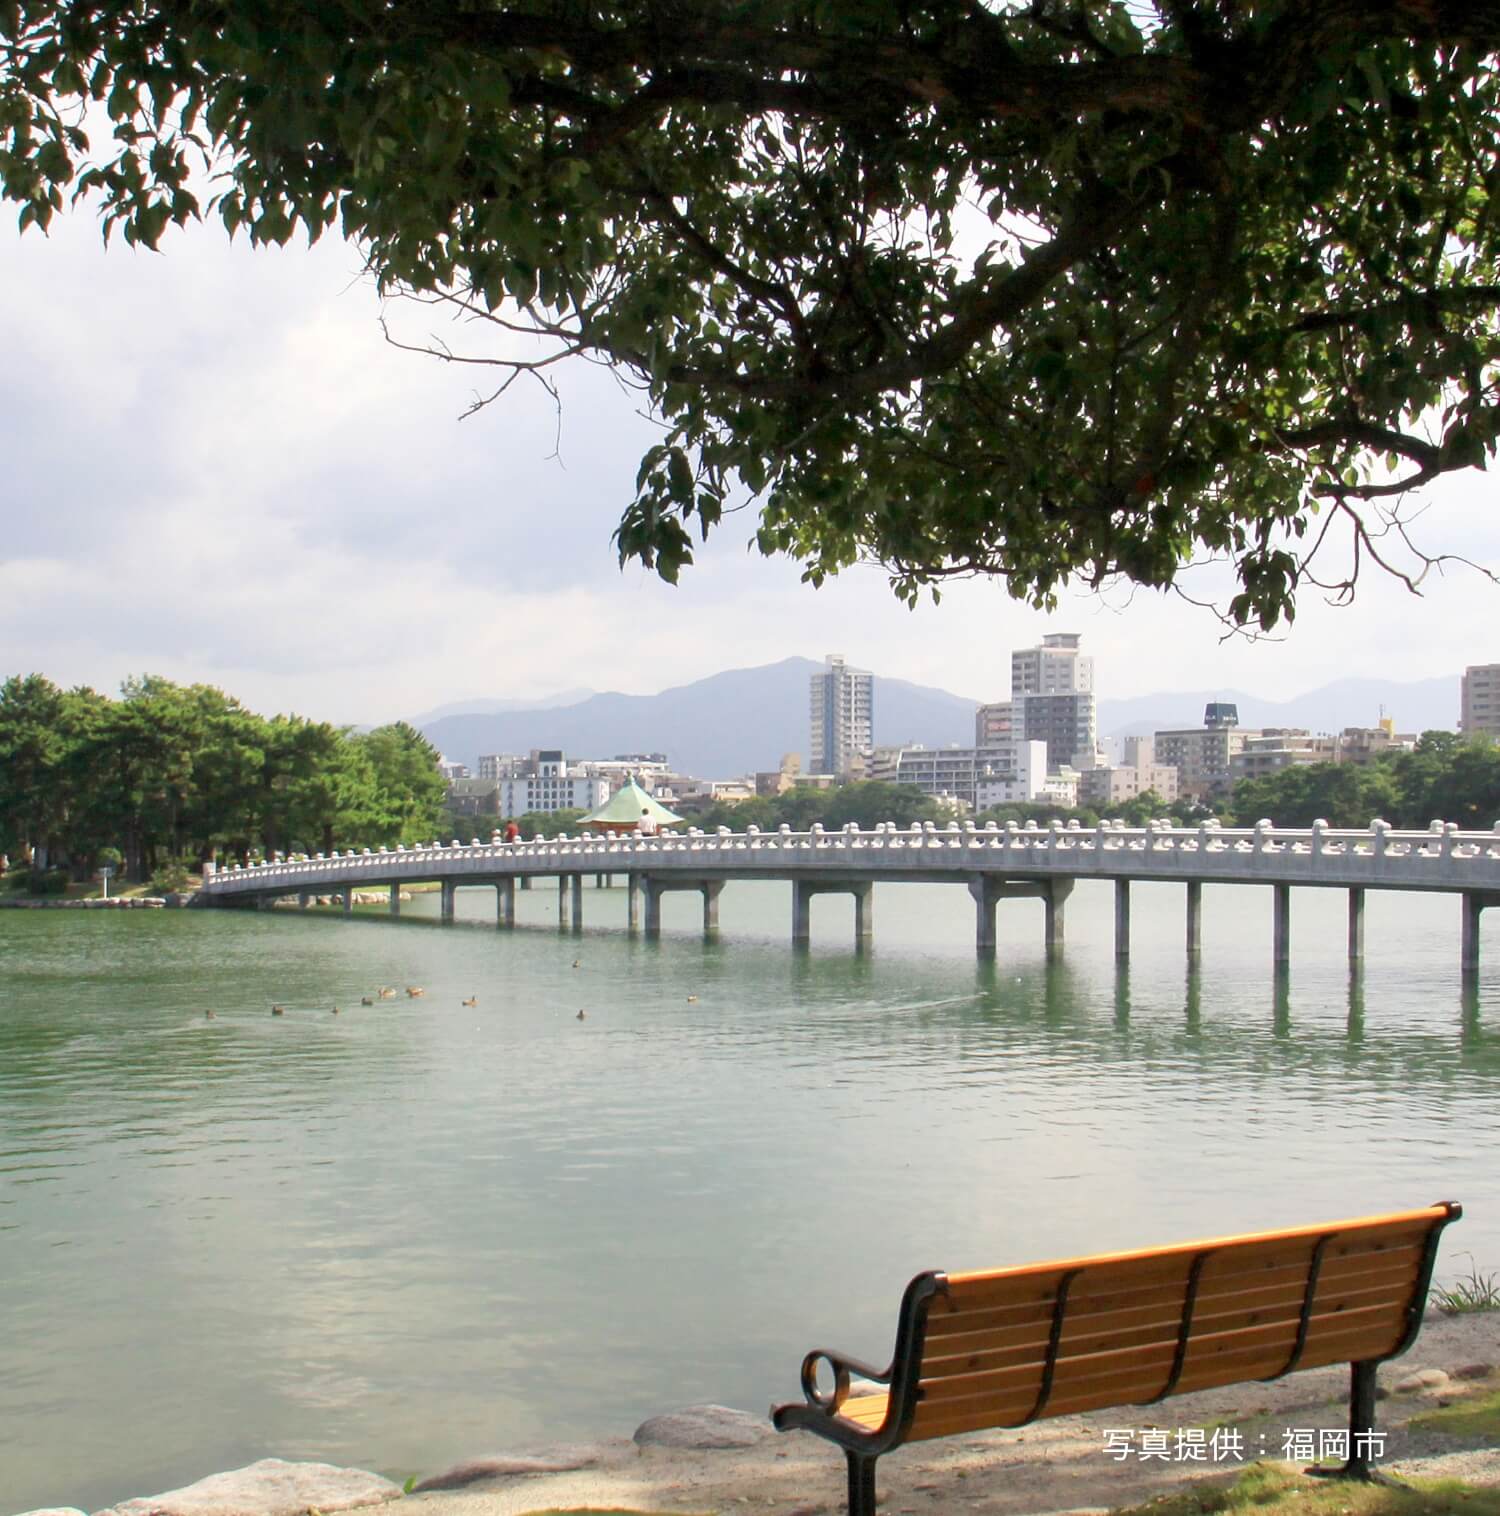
(216, 469)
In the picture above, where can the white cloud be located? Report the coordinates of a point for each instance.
(218, 470)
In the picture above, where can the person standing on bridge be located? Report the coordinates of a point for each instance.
(647, 825)
(512, 832)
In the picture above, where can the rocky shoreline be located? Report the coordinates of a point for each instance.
(118, 903)
(711, 1459)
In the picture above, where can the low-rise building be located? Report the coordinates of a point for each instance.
(1005, 772)
(549, 784)
(1203, 756)
(1060, 787)
(773, 782)
(1277, 748)
(649, 770)
(1014, 772)
(994, 723)
(1114, 784)
(474, 797)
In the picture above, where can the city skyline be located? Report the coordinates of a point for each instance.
(220, 473)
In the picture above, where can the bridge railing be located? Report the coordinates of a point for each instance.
(1207, 846)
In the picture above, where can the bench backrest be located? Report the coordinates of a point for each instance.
(1002, 1348)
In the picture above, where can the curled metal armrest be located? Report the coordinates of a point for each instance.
(842, 1367)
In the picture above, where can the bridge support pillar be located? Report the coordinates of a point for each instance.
(864, 907)
(864, 915)
(577, 893)
(302, 900)
(985, 900)
(448, 893)
(1122, 918)
(1194, 919)
(1281, 924)
(633, 902)
(505, 902)
(562, 902)
(1054, 895)
(1357, 924)
(1474, 904)
(988, 892)
(525, 881)
(395, 900)
(654, 889)
(801, 914)
(712, 889)
(349, 902)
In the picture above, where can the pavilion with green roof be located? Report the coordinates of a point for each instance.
(626, 809)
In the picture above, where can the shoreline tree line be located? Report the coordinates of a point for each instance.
(168, 776)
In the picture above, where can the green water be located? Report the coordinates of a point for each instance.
(417, 1231)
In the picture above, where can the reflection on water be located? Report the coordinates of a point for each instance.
(418, 1230)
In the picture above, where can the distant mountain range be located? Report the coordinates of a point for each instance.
(493, 707)
(744, 719)
(728, 724)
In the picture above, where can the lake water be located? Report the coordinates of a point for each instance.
(417, 1231)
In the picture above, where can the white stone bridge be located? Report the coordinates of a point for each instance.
(993, 862)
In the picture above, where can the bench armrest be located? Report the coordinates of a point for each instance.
(843, 1368)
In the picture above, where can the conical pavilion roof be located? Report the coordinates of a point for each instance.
(625, 806)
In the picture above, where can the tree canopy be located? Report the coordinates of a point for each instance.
(1041, 289)
(1446, 777)
(180, 772)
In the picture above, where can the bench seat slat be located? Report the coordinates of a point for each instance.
(866, 1410)
(1274, 1341)
(1137, 1382)
(955, 1355)
(949, 1325)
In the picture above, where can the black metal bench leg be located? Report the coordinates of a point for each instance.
(861, 1485)
(1361, 1429)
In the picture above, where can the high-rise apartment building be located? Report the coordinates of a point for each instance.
(842, 711)
(1479, 709)
(1067, 723)
(1057, 667)
(1052, 698)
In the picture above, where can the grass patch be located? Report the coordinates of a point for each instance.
(1477, 1292)
(1476, 1418)
(1269, 1491)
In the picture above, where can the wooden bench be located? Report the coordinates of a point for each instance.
(1012, 1346)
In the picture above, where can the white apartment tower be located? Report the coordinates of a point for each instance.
(1480, 710)
(1054, 668)
(842, 710)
